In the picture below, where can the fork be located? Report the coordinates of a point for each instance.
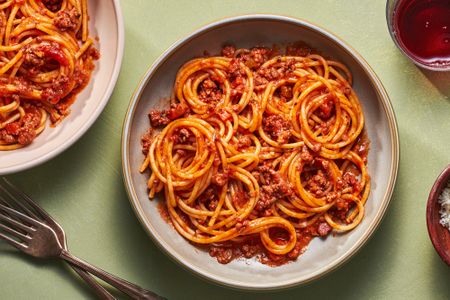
(37, 239)
(33, 210)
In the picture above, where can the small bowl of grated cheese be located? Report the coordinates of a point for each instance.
(438, 215)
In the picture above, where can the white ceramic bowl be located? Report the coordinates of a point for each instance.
(322, 255)
(107, 24)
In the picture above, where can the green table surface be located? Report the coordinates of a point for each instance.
(82, 188)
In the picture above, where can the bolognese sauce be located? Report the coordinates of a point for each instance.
(261, 151)
(47, 58)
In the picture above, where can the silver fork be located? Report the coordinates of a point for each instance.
(33, 210)
(35, 238)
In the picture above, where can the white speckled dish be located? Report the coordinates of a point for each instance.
(105, 23)
(322, 256)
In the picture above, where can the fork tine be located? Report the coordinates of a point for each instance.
(13, 242)
(14, 232)
(34, 210)
(38, 214)
(15, 223)
(19, 215)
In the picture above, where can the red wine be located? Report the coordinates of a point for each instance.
(423, 30)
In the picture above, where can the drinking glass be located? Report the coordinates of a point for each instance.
(426, 9)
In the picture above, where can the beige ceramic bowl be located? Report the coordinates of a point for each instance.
(322, 256)
(105, 23)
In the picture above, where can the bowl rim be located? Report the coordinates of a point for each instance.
(95, 114)
(438, 186)
(380, 91)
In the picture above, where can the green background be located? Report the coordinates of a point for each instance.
(83, 187)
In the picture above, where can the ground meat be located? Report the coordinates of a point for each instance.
(146, 141)
(23, 131)
(183, 136)
(270, 74)
(235, 69)
(222, 254)
(7, 137)
(316, 177)
(325, 127)
(210, 92)
(331, 196)
(244, 141)
(305, 155)
(318, 184)
(209, 198)
(242, 225)
(326, 109)
(32, 118)
(26, 135)
(273, 187)
(316, 147)
(349, 179)
(94, 53)
(236, 77)
(33, 58)
(81, 78)
(67, 20)
(260, 81)
(323, 229)
(228, 51)
(60, 87)
(286, 93)
(249, 250)
(48, 51)
(320, 228)
(220, 179)
(43, 57)
(239, 199)
(342, 204)
(256, 57)
(278, 128)
(209, 84)
(163, 117)
(282, 70)
(12, 128)
(237, 87)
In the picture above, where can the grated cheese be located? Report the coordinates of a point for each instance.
(444, 200)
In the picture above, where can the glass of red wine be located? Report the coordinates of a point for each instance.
(421, 30)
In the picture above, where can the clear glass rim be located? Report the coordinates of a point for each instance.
(390, 8)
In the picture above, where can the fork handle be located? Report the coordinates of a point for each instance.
(99, 290)
(131, 289)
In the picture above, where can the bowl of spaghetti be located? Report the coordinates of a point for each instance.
(55, 74)
(260, 145)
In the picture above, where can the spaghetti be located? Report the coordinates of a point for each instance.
(260, 152)
(46, 58)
